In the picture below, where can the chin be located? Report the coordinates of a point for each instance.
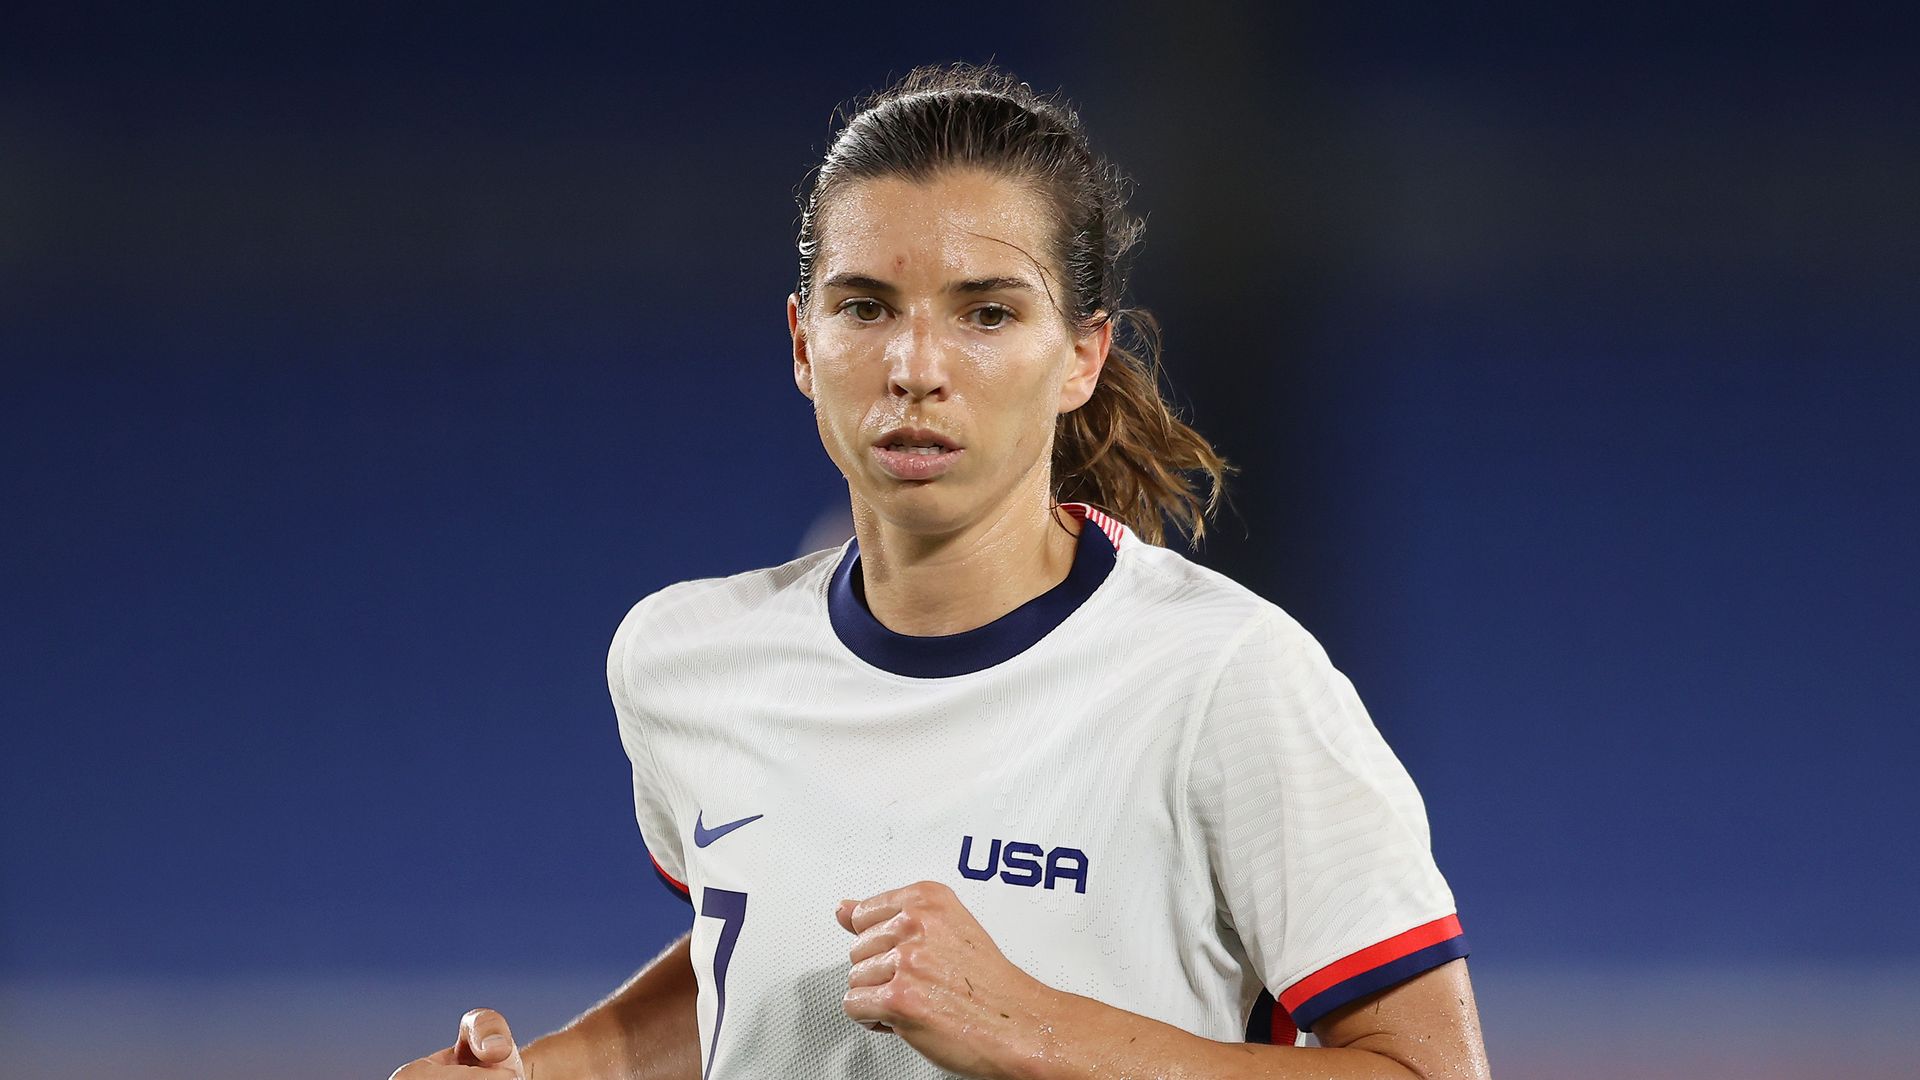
(933, 506)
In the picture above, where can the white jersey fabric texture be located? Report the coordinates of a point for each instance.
(1149, 785)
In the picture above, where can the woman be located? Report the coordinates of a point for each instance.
(1003, 788)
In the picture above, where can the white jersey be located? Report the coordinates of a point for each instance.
(1149, 786)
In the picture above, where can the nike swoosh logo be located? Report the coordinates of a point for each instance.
(702, 836)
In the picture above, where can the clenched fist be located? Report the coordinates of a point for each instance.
(484, 1050)
(923, 968)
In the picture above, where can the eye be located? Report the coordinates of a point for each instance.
(866, 311)
(991, 316)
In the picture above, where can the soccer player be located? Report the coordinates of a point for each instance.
(1003, 787)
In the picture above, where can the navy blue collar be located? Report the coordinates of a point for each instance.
(970, 650)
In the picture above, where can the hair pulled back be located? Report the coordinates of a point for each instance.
(1125, 450)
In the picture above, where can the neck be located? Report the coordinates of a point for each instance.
(929, 585)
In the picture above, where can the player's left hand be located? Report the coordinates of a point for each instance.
(924, 969)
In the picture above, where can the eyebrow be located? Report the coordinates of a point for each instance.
(969, 286)
(992, 284)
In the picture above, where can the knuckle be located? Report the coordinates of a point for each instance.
(903, 1000)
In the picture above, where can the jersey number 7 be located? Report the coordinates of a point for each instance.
(731, 909)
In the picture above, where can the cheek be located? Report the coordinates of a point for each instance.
(838, 421)
(843, 394)
(1025, 381)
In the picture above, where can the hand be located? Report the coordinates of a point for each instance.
(484, 1050)
(924, 969)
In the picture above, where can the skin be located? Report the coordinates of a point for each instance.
(894, 335)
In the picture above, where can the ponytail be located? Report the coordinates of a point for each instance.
(1127, 451)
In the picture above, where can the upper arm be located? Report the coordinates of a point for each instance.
(1316, 836)
(653, 809)
(1428, 1023)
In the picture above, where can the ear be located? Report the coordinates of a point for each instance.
(1089, 357)
(802, 366)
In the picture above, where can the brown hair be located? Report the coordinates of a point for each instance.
(1125, 450)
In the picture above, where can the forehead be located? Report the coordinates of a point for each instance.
(965, 222)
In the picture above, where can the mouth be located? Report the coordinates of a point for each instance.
(915, 453)
(915, 440)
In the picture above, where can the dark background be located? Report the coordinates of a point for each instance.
(359, 367)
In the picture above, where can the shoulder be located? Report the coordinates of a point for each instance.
(706, 609)
(1254, 662)
(1206, 606)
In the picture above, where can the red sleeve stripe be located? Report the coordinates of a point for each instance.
(672, 882)
(1386, 952)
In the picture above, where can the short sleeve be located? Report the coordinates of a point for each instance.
(1315, 833)
(651, 807)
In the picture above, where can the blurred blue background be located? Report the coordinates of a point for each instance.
(360, 367)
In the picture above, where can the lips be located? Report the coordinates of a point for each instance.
(913, 437)
(908, 453)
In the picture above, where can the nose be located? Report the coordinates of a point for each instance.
(916, 366)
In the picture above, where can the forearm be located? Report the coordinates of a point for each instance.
(646, 1030)
(1088, 1039)
(1425, 1027)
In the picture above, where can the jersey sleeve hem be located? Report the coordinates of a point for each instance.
(1373, 969)
(674, 885)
